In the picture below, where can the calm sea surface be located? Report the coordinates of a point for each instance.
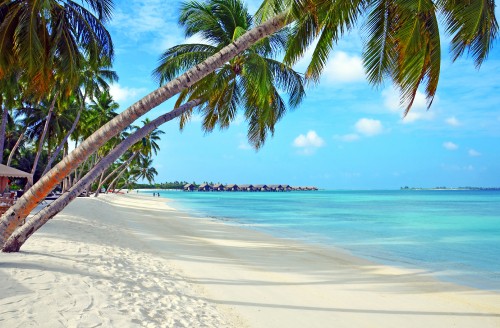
(455, 235)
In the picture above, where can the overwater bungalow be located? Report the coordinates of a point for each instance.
(189, 187)
(205, 187)
(287, 188)
(218, 187)
(276, 188)
(246, 187)
(261, 187)
(231, 187)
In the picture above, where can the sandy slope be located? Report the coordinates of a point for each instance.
(84, 269)
(125, 260)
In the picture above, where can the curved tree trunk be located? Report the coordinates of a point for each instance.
(115, 180)
(42, 137)
(3, 124)
(63, 142)
(19, 237)
(124, 164)
(18, 143)
(98, 189)
(30, 199)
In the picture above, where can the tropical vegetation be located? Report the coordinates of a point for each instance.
(46, 46)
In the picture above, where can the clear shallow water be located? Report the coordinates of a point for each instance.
(453, 234)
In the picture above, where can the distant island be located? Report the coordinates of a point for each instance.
(451, 188)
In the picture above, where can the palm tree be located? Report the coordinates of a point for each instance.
(144, 170)
(47, 38)
(252, 80)
(19, 237)
(144, 148)
(94, 81)
(10, 90)
(326, 20)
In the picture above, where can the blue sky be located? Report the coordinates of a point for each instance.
(345, 135)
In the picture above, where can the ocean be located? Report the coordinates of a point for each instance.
(452, 234)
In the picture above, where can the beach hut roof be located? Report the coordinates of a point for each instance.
(260, 186)
(188, 185)
(218, 185)
(203, 185)
(232, 185)
(10, 172)
(246, 186)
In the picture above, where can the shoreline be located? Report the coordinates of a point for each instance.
(471, 279)
(242, 277)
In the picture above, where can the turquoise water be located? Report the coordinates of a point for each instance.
(455, 235)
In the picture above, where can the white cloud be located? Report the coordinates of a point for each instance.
(244, 146)
(453, 121)
(450, 145)
(418, 110)
(344, 68)
(145, 16)
(348, 137)
(308, 142)
(474, 153)
(368, 127)
(122, 94)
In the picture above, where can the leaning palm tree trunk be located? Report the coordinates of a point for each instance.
(42, 137)
(3, 124)
(19, 237)
(20, 210)
(63, 142)
(115, 180)
(124, 164)
(18, 143)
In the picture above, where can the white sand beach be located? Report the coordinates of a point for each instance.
(133, 261)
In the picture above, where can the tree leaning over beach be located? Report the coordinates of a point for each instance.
(254, 71)
(19, 237)
(254, 80)
(402, 45)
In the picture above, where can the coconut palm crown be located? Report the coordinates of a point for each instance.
(46, 38)
(401, 37)
(252, 80)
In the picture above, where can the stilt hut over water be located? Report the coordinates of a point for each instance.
(261, 187)
(276, 188)
(218, 187)
(232, 187)
(205, 187)
(246, 187)
(189, 187)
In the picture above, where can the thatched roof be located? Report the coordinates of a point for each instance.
(218, 185)
(204, 185)
(260, 186)
(10, 172)
(246, 186)
(189, 185)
